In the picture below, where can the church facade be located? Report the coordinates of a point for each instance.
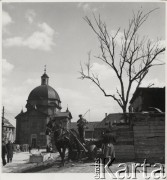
(43, 105)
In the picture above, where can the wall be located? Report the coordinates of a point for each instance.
(143, 138)
(8, 133)
(149, 137)
(136, 106)
(31, 123)
(148, 97)
(124, 147)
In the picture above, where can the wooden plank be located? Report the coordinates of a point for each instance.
(147, 123)
(150, 139)
(150, 146)
(149, 155)
(148, 129)
(124, 147)
(149, 152)
(126, 150)
(125, 157)
(135, 128)
(124, 139)
(125, 143)
(125, 154)
(149, 134)
(124, 132)
(149, 143)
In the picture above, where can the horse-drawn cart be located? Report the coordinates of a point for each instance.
(65, 139)
(88, 148)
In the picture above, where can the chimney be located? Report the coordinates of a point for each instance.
(105, 115)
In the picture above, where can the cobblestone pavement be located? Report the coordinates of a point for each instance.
(20, 162)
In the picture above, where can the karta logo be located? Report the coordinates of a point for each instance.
(128, 171)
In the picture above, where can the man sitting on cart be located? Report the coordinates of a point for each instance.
(81, 123)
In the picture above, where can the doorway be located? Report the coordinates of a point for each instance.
(33, 140)
(34, 143)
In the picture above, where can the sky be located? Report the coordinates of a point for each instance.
(56, 35)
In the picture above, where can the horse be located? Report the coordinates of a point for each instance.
(63, 139)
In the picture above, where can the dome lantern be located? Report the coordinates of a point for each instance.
(44, 78)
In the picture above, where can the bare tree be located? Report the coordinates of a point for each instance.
(137, 55)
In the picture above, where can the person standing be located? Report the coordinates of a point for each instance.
(29, 148)
(38, 147)
(18, 148)
(81, 123)
(4, 152)
(50, 148)
(9, 147)
(108, 150)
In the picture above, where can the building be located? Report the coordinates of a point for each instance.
(148, 99)
(108, 123)
(89, 130)
(8, 131)
(42, 105)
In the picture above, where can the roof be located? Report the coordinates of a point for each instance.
(110, 119)
(45, 76)
(63, 114)
(43, 92)
(7, 123)
(27, 112)
(90, 126)
(154, 91)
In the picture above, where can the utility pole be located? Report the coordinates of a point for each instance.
(3, 112)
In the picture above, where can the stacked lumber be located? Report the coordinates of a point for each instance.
(124, 147)
(149, 139)
(124, 152)
(124, 135)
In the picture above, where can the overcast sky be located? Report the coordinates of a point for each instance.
(55, 34)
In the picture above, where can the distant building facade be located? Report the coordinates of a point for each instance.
(43, 104)
(146, 98)
(108, 123)
(89, 130)
(8, 131)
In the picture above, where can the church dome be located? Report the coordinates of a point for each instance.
(44, 95)
(43, 92)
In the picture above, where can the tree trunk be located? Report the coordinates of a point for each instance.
(125, 113)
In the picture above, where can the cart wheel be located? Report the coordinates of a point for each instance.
(73, 155)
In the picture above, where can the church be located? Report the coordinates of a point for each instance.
(43, 104)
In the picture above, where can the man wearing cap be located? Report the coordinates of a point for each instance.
(81, 123)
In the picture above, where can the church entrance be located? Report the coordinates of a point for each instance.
(33, 140)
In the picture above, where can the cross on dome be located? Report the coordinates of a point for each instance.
(45, 68)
